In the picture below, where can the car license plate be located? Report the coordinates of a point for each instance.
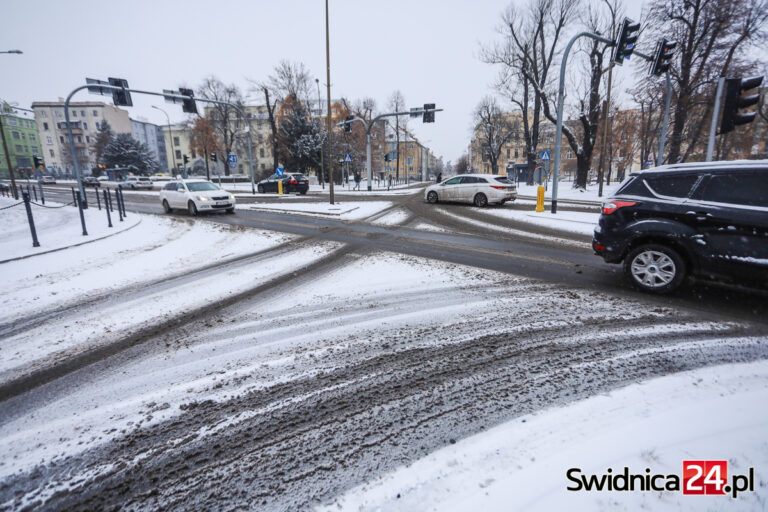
(221, 203)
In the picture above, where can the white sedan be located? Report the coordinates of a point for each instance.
(479, 189)
(196, 196)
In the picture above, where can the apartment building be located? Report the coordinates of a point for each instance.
(21, 138)
(84, 116)
(151, 135)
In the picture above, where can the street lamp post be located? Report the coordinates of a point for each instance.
(328, 86)
(170, 134)
(18, 52)
(322, 158)
(5, 145)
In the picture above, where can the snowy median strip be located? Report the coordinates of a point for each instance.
(344, 211)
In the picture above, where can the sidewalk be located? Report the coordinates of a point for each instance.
(57, 226)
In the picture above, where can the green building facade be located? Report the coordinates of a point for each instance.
(21, 139)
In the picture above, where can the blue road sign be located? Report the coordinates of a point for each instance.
(232, 158)
(232, 165)
(347, 158)
(545, 155)
(279, 171)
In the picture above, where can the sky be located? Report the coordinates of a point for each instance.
(427, 49)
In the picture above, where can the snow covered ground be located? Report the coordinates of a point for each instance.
(713, 413)
(346, 210)
(574, 222)
(56, 227)
(565, 190)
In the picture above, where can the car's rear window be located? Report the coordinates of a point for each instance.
(298, 176)
(504, 180)
(143, 179)
(201, 186)
(672, 186)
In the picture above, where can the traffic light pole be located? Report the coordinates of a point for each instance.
(715, 119)
(560, 101)
(151, 93)
(663, 136)
(369, 126)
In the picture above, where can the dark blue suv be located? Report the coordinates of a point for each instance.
(709, 220)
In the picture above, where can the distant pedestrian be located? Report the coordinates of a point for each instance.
(439, 177)
(357, 181)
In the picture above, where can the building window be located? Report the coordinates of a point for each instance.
(58, 113)
(87, 139)
(176, 141)
(51, 152)
(74, 113)
(262, 167)
(95, 113)
(19, 149)
(34, 151)
(508, 152)
(517, 153)
(45, 126)
(49, 140)
(261, 152)
(43, 113)
(193, 153)
(178, 154)
(32, 137)
(16, 135)
(82, 113)
(85, 126)
(568, 154)
(12, 122)
(61, 139)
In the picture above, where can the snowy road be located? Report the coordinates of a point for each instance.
(379, 346)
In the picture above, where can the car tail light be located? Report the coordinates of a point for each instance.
(611, 206)
(498, 187)
(293, 181)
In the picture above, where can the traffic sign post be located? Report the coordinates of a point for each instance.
(279, 171)
(545, 156)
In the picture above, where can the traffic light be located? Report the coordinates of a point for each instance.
(214, 157)
(348, 124)
(429, 113)
(662, 60)
(734, 101)
(38, 162)
(188, 105)
(625, 42)
(122, 97)
(185, 158)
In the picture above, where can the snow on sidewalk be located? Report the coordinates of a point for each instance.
(565, 190)
(56, 227)
(706, 414)
(574, 222)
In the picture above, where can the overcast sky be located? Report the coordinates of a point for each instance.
(428, 49)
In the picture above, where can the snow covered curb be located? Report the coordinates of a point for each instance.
(704, 414)
(344, 211)
(573, 222)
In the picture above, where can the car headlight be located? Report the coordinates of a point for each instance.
(203, 198)
(231, 197)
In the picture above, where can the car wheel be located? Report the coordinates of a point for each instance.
(303, 193)
(655, 268)
(192, 208)
(432, 197)
(230, 210)
(260, 188)
(481, 201)
(166, 206)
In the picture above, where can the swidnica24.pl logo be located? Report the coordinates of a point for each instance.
(708, 477)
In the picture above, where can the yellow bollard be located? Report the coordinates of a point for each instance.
(540, 199)
(280, 188)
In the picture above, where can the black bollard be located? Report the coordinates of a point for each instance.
(108, 200)
(35, 243)
(35, 191)
(119, 208)
(82, 217)
(74, 199)
(122, 200)
(106, 207)
(98, 201)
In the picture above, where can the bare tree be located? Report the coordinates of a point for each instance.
(292, 79)
(494, 130)
(397, 104)
(462, 164)
(713, 37)
(224, 118)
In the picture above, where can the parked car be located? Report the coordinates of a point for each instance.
(91, 181)
(292, 182)
(479, 189)
(47, 179)
(196, 196)
(138, 182)
(708, 220)
(103, 178)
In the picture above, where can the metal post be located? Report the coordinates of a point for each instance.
(72, 149)
(35, 192)
(328, 86)
(98, 201)
(368, 166)
(119, 208)
(122, 200)
(663, 136)
(74, 199)
(715, 119)
(606, 126)
(424, 171)
(106, 207)
(560, 101)
(108, 200)
(322, 149)
(25, 196)
(80, 209)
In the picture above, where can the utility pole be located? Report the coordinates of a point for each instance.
(606, 128)
(328, 86)
(320, 113)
